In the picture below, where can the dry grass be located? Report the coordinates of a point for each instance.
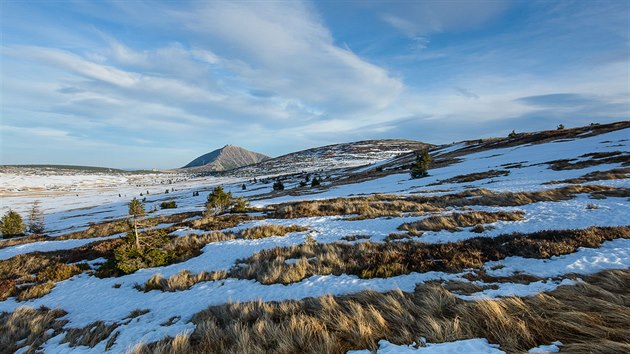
(351, 238)
(264, 231)
(89, 335)
(471, 177)
(336, 324)
(617, 173)
(397, 236)
(180, 344)
(366, 207)
(180, 281)
(61, 271)
(29, 327)
(594, 159)
(486, 197)
(382, 260)
(189, 246)
(220, 222)
(35, 291)
(53, 266)
(455, 221)
(393, 205)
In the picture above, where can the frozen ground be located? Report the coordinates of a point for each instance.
(88, 299)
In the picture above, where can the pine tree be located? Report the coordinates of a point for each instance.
(36, 219)
(421, 166)
(315, 182)
(136, 210)
(218, 201)
(278, 186)
(11, 224)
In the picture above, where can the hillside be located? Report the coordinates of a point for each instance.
(332, 157)
(510, 244)
(226, 158)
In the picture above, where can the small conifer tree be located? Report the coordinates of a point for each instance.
(315, 182)
(36, 219)
(12, 224)
(278, 186)
(218, 201)
(421, 166)
(136, 210)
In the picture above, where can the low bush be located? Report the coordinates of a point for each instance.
(128, 258)
(168, 205)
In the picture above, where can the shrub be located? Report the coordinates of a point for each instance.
(12, 224)
(128, 258)
(512, 134)
(560, 126)
(218, 201)
(168, 205)
(315, 182)
(421, 166)
(278, 186)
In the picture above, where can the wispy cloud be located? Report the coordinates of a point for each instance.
(183, 78)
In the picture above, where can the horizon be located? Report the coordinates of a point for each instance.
(157, 83)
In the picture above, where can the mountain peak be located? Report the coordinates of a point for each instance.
(226, 158)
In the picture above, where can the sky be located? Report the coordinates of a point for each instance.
(154, 84)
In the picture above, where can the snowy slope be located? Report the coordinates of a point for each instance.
(93, 299)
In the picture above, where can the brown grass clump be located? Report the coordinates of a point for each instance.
(29, 327)
(180, 344)
(180, 281)
(617, 173)
(351, 238)
(382, 260)
(220, 222)
(366, 207)
(471, 177)
(189, 246)
(89, 335)
(590, 317)
(455, 221)
(35, 291)
(397, 236)
(264, 231)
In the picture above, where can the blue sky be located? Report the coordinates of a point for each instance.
(154, 84)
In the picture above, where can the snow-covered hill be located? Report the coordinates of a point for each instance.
(331, 157)
(226, 158)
